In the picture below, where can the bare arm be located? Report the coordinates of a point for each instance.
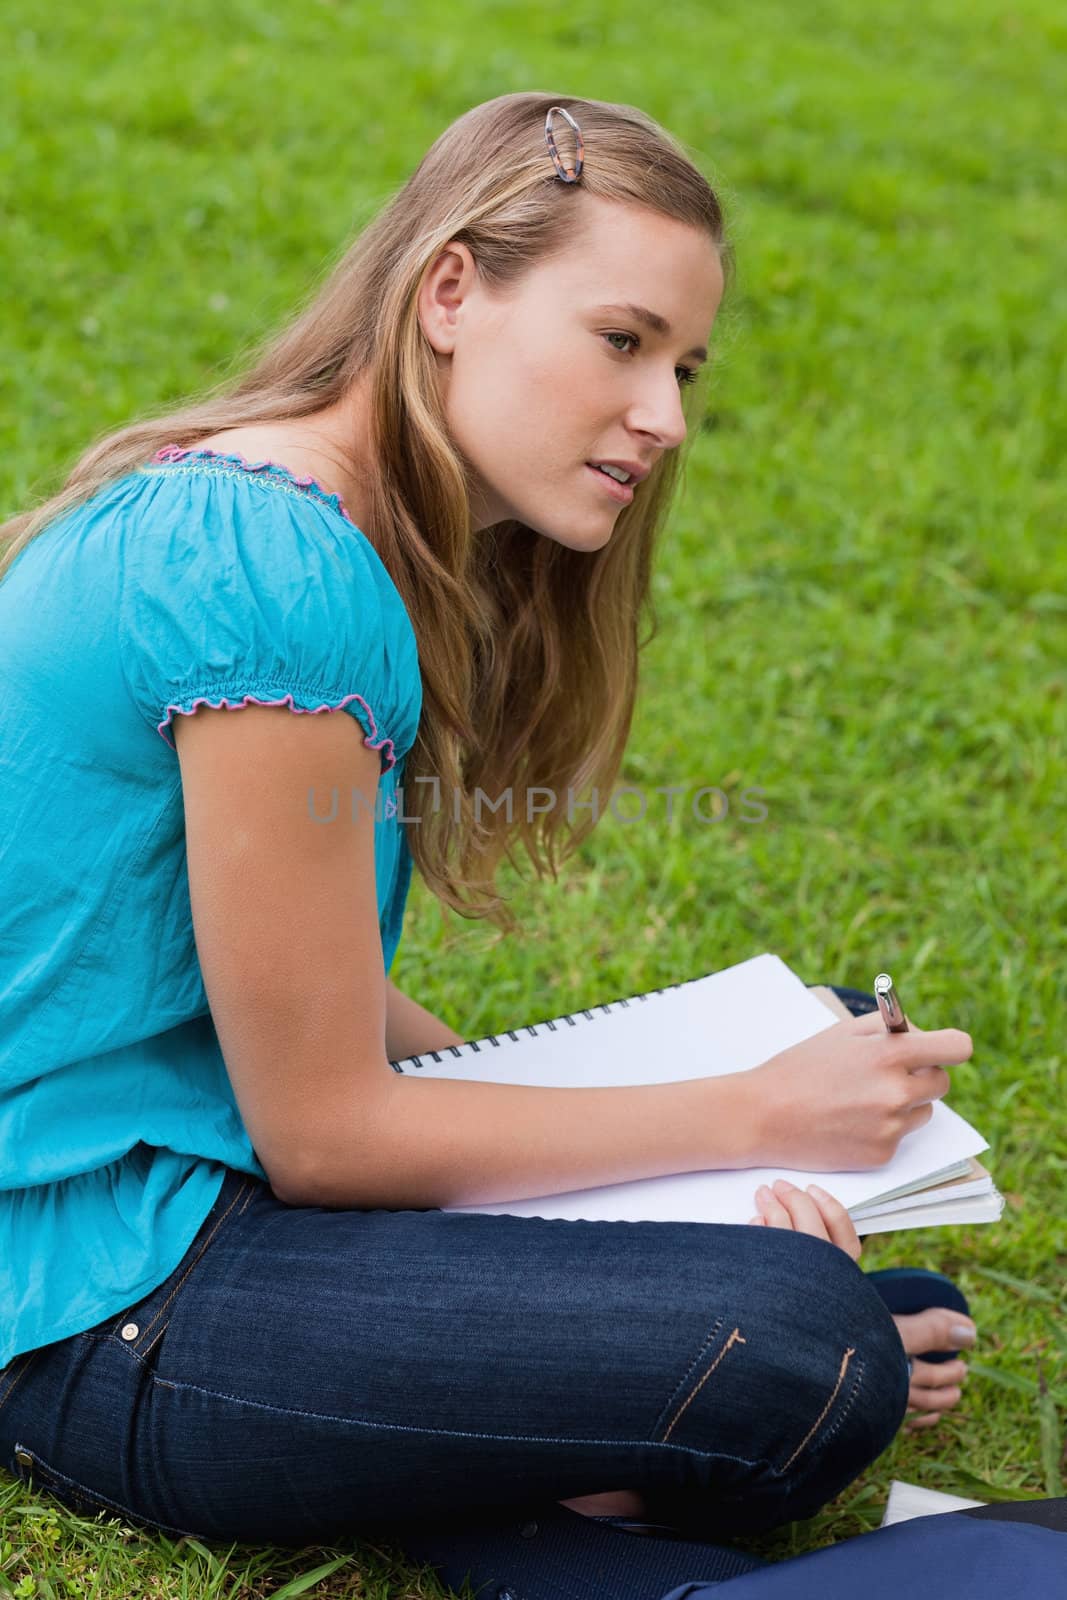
(286, 925)
(441, 1141)
(445, 1142)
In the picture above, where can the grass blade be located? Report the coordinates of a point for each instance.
(1029, 1291)
(1006, 1380)
(298, 1585)
(1051, 1439)
(971, 1487)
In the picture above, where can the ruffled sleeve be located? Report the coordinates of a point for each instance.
(238, 591)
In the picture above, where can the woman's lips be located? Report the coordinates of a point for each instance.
(621, 492)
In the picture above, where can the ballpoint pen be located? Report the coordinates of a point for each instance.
(896, 1022)
(888, 1004)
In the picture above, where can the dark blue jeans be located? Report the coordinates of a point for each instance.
(306, 1374)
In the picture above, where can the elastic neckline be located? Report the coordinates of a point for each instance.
(261, 469)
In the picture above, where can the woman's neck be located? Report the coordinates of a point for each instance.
(331, 446)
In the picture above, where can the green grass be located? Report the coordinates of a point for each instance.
(863, 595)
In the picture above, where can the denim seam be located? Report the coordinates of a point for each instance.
(136, 1349)
(824, 1413)
(459, 1433)
(708, 1344)
(114, 1323)
(735, 1338)
(61, 1479)
(847, 1407)
(18, 1376)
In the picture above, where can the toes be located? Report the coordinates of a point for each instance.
(937, 1374)
(934, 1399)
(936, 1328)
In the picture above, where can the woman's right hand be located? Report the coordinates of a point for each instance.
(843, 1099)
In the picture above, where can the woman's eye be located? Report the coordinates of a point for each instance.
(684, 374)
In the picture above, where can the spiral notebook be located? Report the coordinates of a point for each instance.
(727, 1021)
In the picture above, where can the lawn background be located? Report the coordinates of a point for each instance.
(862, 600)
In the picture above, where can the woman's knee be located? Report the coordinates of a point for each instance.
(842, 1368)
(800, 1385)
(809, 1354)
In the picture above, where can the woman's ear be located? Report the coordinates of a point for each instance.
(442, 293)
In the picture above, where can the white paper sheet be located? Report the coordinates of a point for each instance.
(907, 1500)
(728, 1021)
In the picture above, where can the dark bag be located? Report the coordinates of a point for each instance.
(993, 1551)
(998, 1552)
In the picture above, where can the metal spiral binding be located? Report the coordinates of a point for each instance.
(474, 1046)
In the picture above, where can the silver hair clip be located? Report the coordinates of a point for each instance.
(568, 174)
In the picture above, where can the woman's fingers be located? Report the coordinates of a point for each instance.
(812, 1211)
(917, 1117)
(871, 1022)
(839, 1224)
(806, 1216)
(939, 1047)
(927, 1047)
(771, 1209)
(928, 1083)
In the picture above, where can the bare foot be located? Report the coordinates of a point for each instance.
(936, 1386)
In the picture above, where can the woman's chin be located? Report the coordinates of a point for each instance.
(576, 538)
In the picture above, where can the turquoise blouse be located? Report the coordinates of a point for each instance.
(196, 579)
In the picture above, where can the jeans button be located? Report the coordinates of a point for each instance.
(504, 1594)
(528, 1530)
(130, 1331)
(23, 1457)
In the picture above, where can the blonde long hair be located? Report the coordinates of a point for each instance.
(527, 648)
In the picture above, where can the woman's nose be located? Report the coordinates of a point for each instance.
(663, 418)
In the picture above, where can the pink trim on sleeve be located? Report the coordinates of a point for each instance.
(370, 740)
(176, 452)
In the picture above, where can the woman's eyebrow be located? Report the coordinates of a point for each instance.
(653, 320)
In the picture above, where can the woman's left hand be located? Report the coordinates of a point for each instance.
(809, 1210)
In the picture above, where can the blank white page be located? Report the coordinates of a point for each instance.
(907, 1500)
(728, 1021)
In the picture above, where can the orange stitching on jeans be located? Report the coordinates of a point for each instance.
(845, 1359)
(735, 1338)
(33, 1354)
(146, 1350)
(146, 1331)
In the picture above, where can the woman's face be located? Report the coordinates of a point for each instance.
(558, 374)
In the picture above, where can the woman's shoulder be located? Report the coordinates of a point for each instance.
(251, 585)
(335, 559)
(281, 445)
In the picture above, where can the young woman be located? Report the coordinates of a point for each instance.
(410, 546)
